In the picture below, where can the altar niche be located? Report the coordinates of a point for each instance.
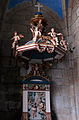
(36, 101)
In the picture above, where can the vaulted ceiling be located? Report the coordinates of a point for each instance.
(55, 5)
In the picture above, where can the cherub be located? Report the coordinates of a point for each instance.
(16, 39)
(63, 43)
(53, 35)
(36, 34)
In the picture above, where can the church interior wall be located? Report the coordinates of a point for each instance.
(65, 75)
(74, 32)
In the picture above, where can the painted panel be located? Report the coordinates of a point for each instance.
(37, 105)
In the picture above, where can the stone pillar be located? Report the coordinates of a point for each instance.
(48, 110)
(73, 20)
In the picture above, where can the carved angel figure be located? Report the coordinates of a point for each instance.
(16, 38)
(36, 34)
(53, 34)
(63, 43)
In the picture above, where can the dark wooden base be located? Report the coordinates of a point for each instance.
(25, 116)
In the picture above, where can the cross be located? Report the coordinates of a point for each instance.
(39, 7)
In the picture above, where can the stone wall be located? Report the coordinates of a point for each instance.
(74, 32)
(65, 75)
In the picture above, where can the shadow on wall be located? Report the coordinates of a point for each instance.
(54, 116)
(53, 112)
(11, 115)
(17, 115)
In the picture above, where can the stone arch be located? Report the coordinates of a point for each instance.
(19, 18)
(70, 3)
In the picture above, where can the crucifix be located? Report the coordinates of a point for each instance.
(39, 7)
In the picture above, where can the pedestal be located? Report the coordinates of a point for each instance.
(36, 101)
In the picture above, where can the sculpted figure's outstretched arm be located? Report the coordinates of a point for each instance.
(49, 33)
(59, 34)
(31, 30)
(12, 38)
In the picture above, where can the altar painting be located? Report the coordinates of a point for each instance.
(36, 106)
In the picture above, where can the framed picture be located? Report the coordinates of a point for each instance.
(36, 101)
(36, 105)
